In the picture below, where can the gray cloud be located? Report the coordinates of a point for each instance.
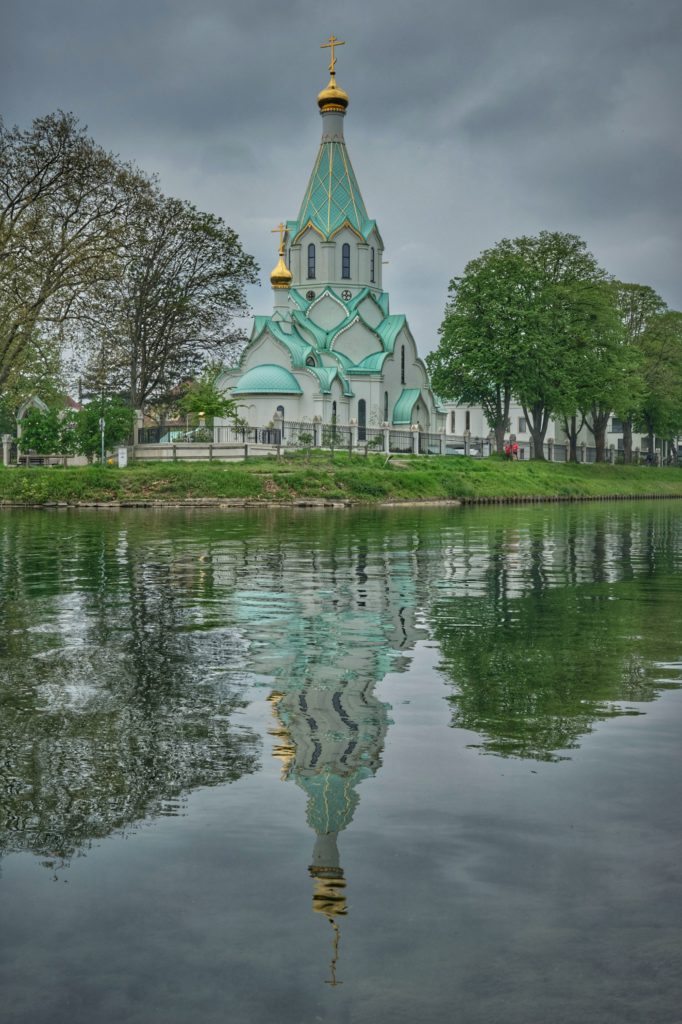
(468, 123)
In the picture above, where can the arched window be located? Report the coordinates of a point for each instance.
(311, 260)
(371, 264)
(452, 421)
(362, 420)
(280, 410)
(333, 412)
(385, 406)
(345, 261)
(402, 364)
(310, 361)
(467, 420)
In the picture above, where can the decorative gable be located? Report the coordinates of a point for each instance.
(327, 312)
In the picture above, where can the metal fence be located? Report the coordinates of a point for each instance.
(209, 435)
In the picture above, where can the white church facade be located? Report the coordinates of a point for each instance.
(331, 348)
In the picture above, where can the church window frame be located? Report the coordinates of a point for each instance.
(371, 264)
(385, 406)
(311, 261)
(402, 364)
(345, 261)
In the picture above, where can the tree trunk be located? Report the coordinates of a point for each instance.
(537, 417)
(600, 419)
(499, 437)
(627, 441)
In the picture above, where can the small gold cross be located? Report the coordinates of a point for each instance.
(333, 41)
(280, 229)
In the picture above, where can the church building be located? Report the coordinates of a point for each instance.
(331, 347)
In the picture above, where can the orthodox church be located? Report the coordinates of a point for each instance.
(331, 347)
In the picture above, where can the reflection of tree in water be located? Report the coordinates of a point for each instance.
(535, 662)
(113, 703)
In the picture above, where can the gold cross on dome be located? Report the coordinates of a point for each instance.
(333, 41)
(280, 229)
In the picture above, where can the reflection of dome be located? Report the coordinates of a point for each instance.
(267, 378)
(332, 98)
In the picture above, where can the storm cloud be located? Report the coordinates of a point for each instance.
(467, 123)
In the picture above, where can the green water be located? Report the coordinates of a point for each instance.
(379, 765)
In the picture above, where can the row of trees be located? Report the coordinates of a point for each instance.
(536, 319)
(100, 268)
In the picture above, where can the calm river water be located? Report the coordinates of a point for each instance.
(411, 765)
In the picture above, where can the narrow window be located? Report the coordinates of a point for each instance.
(452, 421)
(467, 420)
(333, 412)
(345, 261)
(402, 365)
(371, 264)
(522, 425)
(362, 420)
(280, 410)
(311, 260)
(385, 406)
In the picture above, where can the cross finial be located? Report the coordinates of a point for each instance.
(280, 229)
(333, 41)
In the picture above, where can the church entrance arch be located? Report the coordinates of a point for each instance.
(362, 420)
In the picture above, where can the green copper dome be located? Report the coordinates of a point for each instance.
(269, 379)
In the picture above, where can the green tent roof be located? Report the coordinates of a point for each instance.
(268, 379)
(332, 196)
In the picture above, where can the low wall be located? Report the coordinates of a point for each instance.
(198, 452)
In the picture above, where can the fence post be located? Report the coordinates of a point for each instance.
(246, 452)
(612, 454)
(583, 452)
(550, 449)
(387, 437)
(353, 424)
(317, 431)
(415, 438)
(6, 448)
(492, 440)
(636, 456)
(210, 452)
(441, 440)
(467, 438)
(175, 453)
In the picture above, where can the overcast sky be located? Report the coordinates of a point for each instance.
(467, 123)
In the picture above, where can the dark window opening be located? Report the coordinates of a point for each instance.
(280, 410)
(371, 264)
(402, 365)
(385, 406)
(362, 420)
(345, 261)
(310, 361)
(467, 420)
(333, 412)
(311, 260)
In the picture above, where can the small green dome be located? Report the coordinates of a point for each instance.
(268, 378)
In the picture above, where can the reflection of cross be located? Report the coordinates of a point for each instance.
(333, 41)
(281, 228)
(332, 967)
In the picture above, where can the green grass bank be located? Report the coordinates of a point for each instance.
(344, 478)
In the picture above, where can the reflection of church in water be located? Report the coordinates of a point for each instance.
(326, 656)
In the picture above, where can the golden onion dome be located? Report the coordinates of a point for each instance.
(332, 98)
(281, 276)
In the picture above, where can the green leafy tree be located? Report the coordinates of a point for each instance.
(661, 343)
(521, 322)
(118, 424)
(204, 399)
(639, 305)
(475, 362)
(47, 432)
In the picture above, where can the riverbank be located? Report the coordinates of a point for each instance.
(343, 479)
